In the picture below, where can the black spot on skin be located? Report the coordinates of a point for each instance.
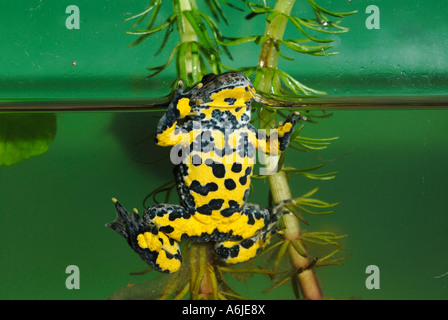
(150, 258)
(178, 213)
(252, 213)
(243, 179)
(166, 229)
(234, 251)
(227, 253)
(246, 244)
(186, 199)
(233, 203)
(203, 190)
(229, 184)
(237, 109)
(174, 212)
(230, 101)
(169, 255)
(218, 169)
(214, 204)
(173, 256)
(251, 219)
(233, 207)
(236, 167)
(246, 195)
(258, 214)
(159, 213)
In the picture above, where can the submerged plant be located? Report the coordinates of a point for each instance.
(17, 144)
(198, 52)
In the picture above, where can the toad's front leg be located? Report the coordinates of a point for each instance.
(286, 129)
(168, 133)
(279, 139)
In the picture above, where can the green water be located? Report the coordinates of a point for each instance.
(392, 174)
(392, 179)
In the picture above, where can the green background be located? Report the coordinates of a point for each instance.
(392, 174)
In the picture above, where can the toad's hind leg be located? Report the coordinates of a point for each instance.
(148, 240)
(243, 250)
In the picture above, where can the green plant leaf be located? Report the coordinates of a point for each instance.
(316, 26)
(257, 8)
(299, 247)
(272, 15)
(278, 284)
(296, 22)
(326, 261)
(23, 136)
(231, 5)
(143, 14)
(141, 38)
(216, 10)
(159, 69)
(295, 85)
(235, 41)
(308, 49)
(331, 13)
(152, 30)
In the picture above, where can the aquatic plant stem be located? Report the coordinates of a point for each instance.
(278, 181)
(186, 31)
(268, 58)
(308, 282)
(207, 288)
(191, 68)
(201, 282)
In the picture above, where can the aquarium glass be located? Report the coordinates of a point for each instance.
(392, 178)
